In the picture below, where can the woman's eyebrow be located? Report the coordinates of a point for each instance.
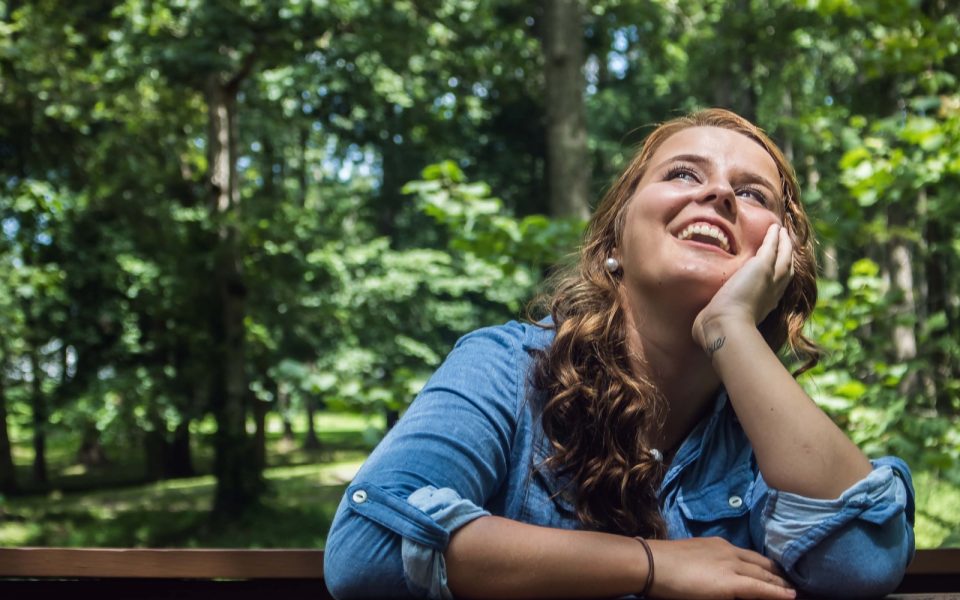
(696, 159)
(749, 177)
(704, 162)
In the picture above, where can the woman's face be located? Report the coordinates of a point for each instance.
(700, 212)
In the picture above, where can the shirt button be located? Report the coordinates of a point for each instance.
(735, 501)
(359, 496)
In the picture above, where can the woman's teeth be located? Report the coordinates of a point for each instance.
(704, 230)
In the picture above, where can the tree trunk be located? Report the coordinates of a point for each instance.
(260, 409)
(283, 408)
(239, 479)
(39, 408)
(91, 452)
(302, 172)
(153, 455)
(730, 84)
(900, 258)
(178, 458)
(828, 253)
(936, 236)
(8, 473)
(168, 457)
(394, 176)
(568, 169)
(310, 439)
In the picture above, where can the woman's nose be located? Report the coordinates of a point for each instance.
(722, 196)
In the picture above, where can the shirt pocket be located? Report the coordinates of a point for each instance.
(720, 508)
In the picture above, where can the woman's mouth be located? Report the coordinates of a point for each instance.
(705, 233)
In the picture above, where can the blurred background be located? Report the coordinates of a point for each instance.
(238, 235)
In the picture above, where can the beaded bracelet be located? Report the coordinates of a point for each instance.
(649, 583)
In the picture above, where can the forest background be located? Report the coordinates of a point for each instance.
(236, 236)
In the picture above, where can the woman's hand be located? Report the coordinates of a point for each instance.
(753, 291)
(714, 568)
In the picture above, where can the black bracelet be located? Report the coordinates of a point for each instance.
(649, 583)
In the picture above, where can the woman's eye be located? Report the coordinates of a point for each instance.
(755, 195)
(683, 174)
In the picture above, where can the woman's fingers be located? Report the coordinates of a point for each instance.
(761, 574)
(760, 560)
(767, 252)
(715, 568)
(755, 588)
(784, 263)
(761, 567)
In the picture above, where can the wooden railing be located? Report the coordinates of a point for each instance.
(269, 574)
(934, 572)
(147, 574)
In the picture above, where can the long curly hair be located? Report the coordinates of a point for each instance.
(597, 412)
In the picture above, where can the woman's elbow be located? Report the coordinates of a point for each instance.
(866, 561)
(340, 573)
(362, 560)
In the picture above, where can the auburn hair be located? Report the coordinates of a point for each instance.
(597, 412)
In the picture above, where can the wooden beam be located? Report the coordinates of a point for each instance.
(161, 564)
(938, 561)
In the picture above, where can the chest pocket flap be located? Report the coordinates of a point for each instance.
(724, 499)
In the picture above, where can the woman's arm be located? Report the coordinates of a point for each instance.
(412, 522)
(798, 448)
(837, 524)
(493, 557)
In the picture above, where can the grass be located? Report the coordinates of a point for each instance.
(111, 506)
(295, 514)
(336, 432)
(305, 489)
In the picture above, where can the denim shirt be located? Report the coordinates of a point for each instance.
(471, 445)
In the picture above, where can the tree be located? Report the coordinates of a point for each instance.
(568, 166)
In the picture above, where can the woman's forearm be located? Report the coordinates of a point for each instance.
(798, 448)
(494, 557)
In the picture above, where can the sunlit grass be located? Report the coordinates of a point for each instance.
(305, 487)
(336, 431)
(938, 512)
(296, 513)
(109, 506)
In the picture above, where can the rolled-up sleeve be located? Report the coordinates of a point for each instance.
(858, 544)
(430, 476)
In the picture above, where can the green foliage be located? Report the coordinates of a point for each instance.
(361, 258)
(479, 227)
(861, 385)
(938, 523)
(396, 312)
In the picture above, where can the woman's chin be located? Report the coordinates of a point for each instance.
(695, 283)
(684, 294)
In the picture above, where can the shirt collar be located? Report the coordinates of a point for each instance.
(539, 335)
(692, 447)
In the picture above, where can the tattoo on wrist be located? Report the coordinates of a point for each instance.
(715, 345)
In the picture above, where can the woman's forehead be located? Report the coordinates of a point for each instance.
(724, 148)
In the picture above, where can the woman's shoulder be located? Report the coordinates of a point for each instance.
(493, 362)
(512, 337)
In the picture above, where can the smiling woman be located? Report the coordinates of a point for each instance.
(644, 437)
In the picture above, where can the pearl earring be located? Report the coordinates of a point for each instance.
(612, 265)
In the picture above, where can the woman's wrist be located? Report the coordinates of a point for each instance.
(648, 580)
(711, 332)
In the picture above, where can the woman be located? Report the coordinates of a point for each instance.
(644, 439)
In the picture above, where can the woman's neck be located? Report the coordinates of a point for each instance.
(663, 350)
